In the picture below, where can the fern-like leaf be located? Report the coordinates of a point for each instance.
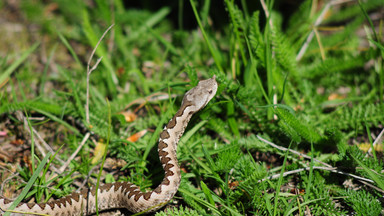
(297, 127)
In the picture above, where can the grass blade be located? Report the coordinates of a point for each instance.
(5, 75)
(29, 184)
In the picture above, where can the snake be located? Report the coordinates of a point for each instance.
(120, 195)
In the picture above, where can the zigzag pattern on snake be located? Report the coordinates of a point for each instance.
(125, 194)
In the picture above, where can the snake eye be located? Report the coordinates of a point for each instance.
(210, 91)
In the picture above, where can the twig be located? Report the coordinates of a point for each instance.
(372, 186)
(310, 36)
(265, 8)
(328, 168)
(40, 139)
(293, 151)
(27, 127)
(317, 23)
(20, 116)
(322, 52)
(89, 71)
(62, 168)
(331, 169)
(45, 144)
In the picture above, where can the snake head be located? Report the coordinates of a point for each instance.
(200, 95)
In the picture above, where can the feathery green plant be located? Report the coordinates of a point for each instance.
(362, 202)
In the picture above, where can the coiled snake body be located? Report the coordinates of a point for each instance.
(125, 194)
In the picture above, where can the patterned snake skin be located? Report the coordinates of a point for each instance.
(125, 194)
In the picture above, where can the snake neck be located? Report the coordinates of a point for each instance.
(167, 147)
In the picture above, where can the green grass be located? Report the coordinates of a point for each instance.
(321, 97)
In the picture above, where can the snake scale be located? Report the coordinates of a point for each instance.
(125, 194)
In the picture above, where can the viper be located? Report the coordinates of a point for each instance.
(125, 194)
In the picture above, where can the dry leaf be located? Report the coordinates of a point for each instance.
(99, 152)
(365, 147)
(129, 116)
(335, 96)
(136, 136)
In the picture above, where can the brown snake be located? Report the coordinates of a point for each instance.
(125, 194)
